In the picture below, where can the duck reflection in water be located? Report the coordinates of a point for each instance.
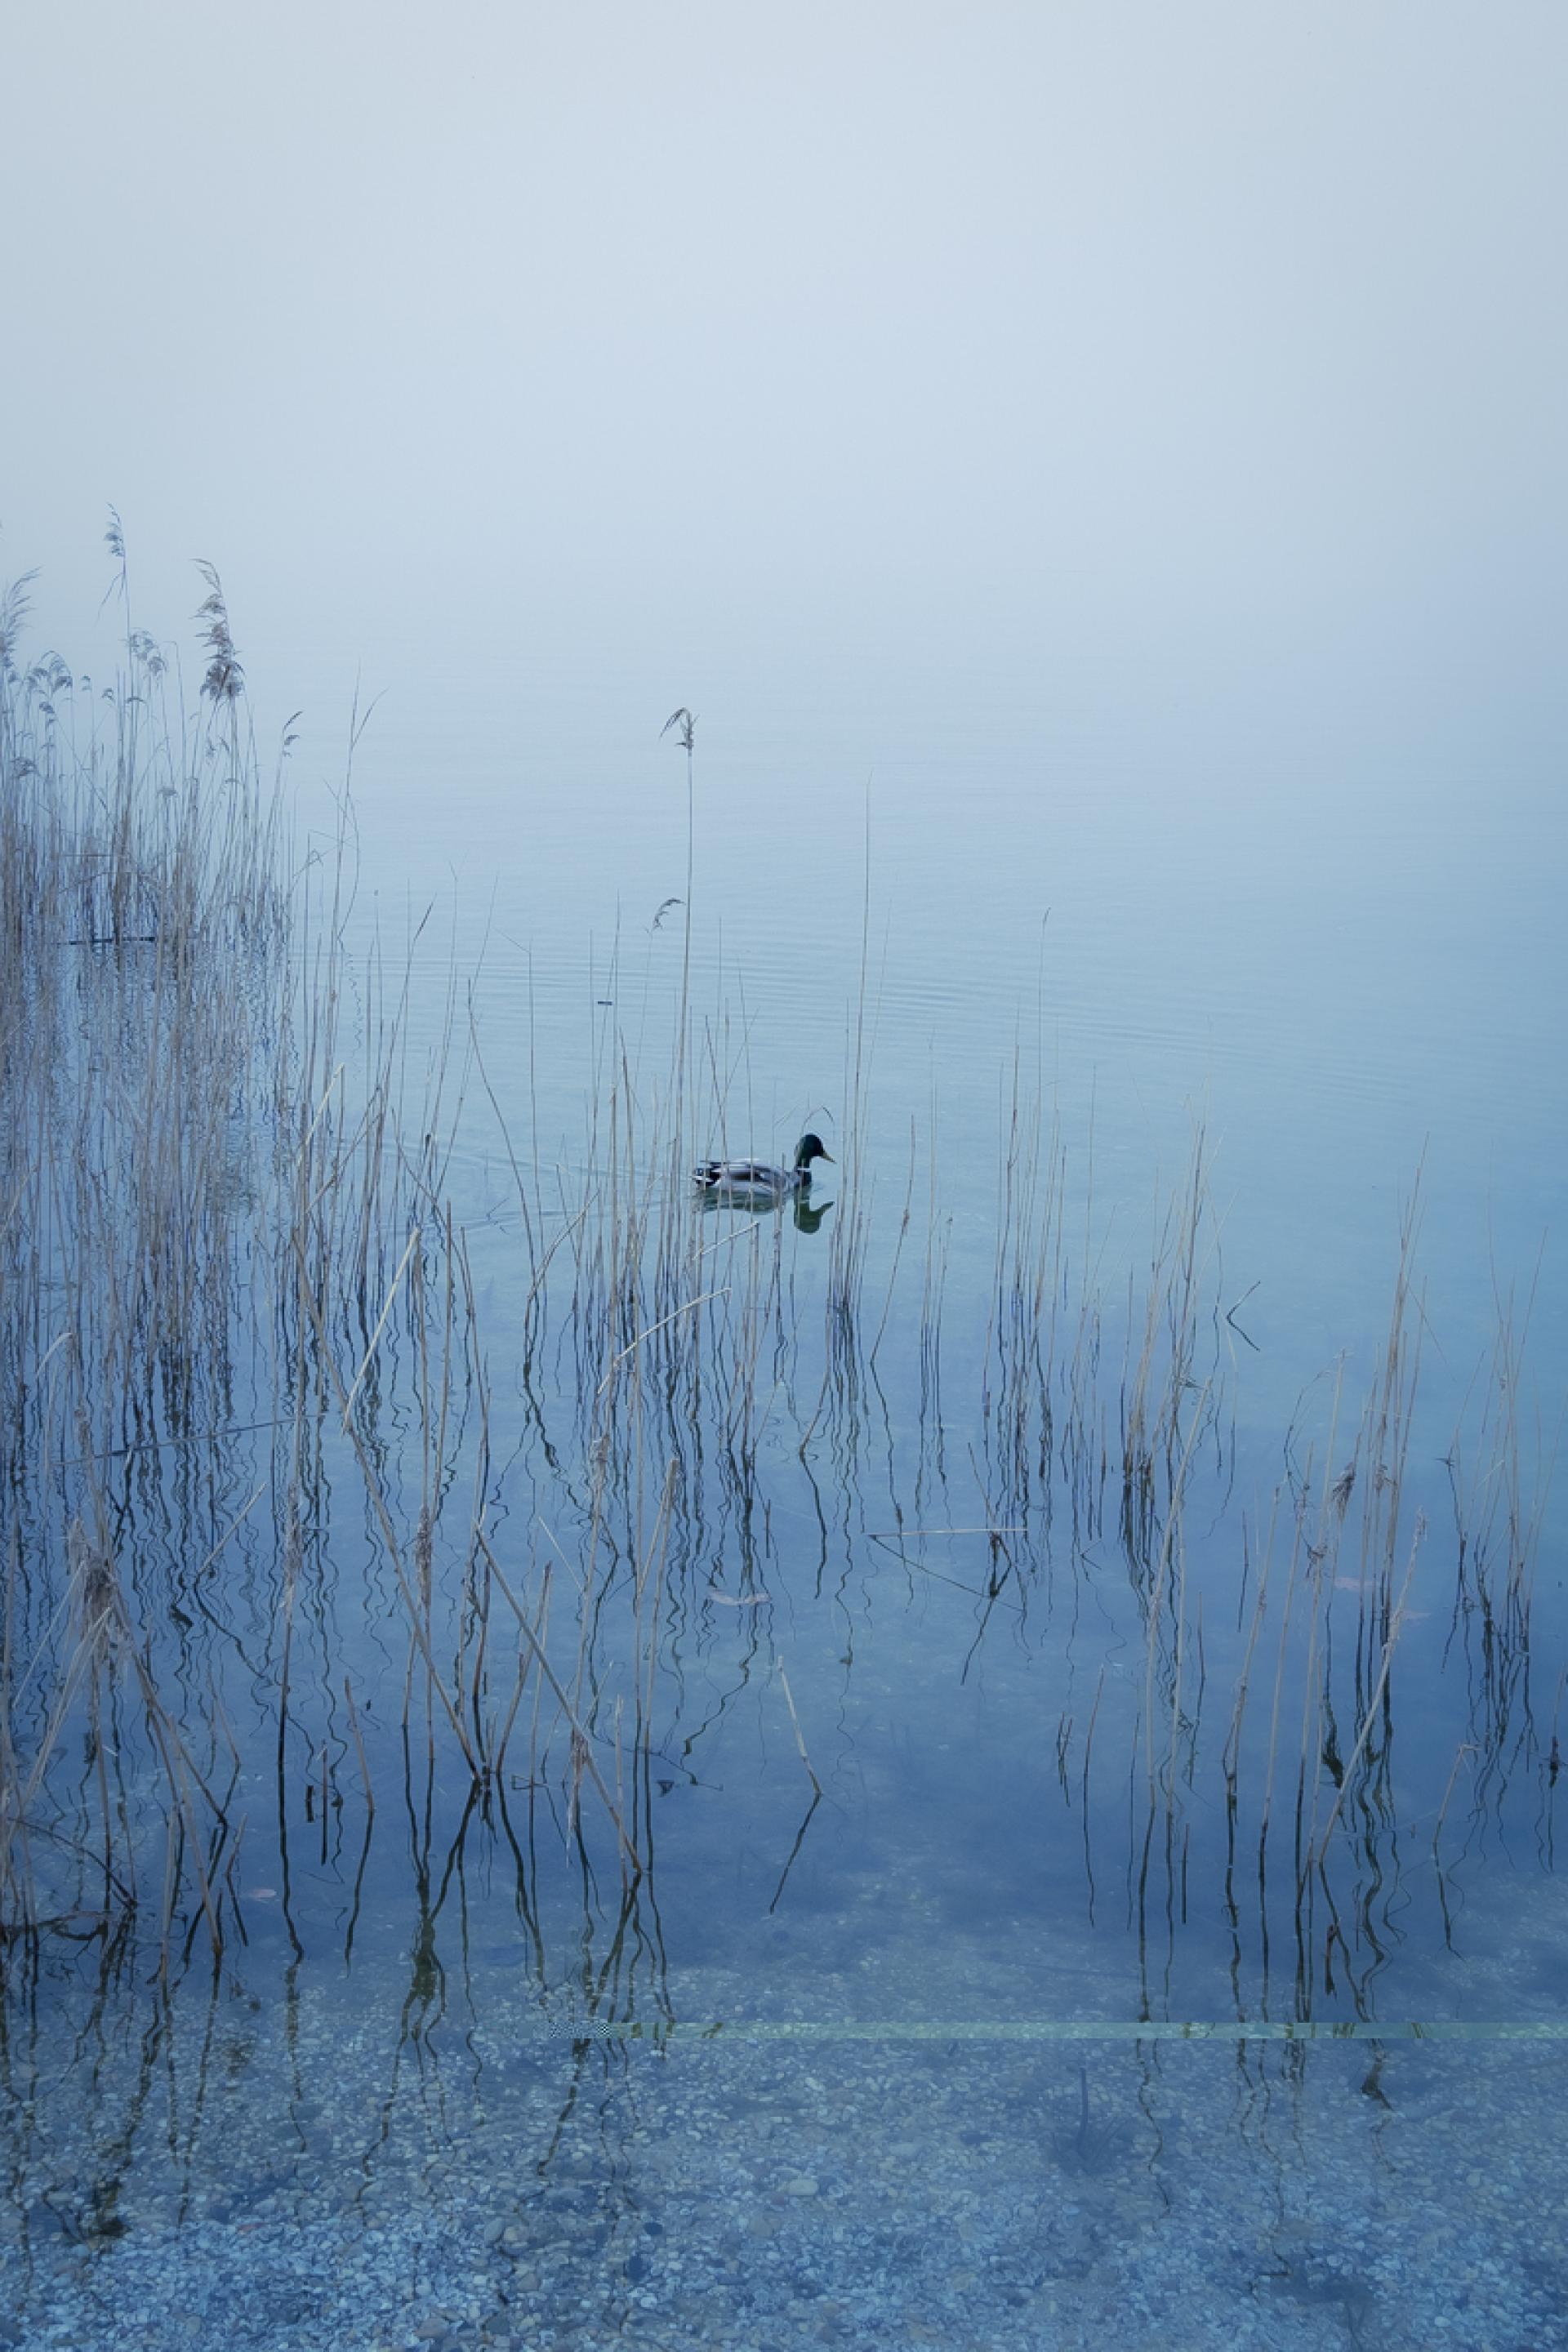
(805, 1214)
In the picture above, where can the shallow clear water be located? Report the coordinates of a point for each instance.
(940, 1848)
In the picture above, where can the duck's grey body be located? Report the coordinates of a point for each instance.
(757, 1177)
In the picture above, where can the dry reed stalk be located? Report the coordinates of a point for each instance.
(359, 1747)
(1380, 1686)
(799, 1734)
(1156, 1603)
(583, 1750)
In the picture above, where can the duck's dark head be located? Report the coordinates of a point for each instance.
(810, 1148)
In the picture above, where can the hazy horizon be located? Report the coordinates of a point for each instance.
(1184, 374)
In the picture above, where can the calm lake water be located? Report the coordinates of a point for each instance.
(1095, 1870)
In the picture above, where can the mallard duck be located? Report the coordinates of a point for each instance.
(757, 1176)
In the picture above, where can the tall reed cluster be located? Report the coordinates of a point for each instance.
(145, 923)
(287, 1522)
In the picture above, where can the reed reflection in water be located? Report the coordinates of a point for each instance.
(484, 1626)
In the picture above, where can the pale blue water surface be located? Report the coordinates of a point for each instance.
(940, 1854)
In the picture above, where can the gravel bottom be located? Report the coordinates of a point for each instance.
(985, 2197)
